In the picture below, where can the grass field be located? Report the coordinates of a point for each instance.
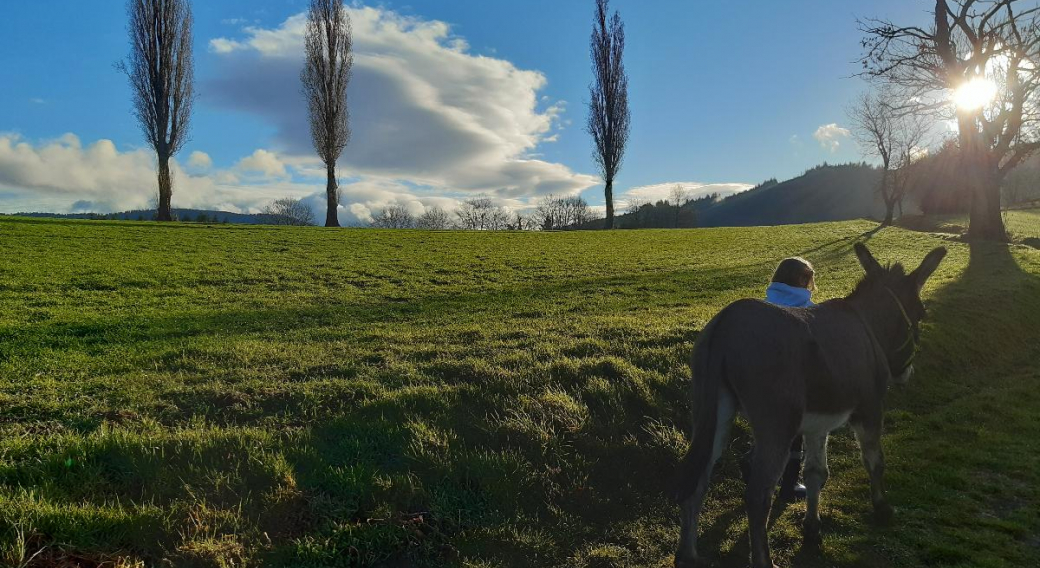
(187, 395)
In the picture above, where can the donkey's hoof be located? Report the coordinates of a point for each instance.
(811, 534)
(883, 514)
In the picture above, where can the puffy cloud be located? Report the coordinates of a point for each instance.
(264, 163)
(693, 189)
(830, 136)
(200, 161)
(423, 109)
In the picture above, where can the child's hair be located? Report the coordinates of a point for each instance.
(795, 271)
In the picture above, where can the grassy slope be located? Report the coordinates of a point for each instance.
(280, 396)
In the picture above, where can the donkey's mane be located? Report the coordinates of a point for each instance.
(889, 276)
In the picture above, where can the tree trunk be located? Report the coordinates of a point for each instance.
(332, 213)
(609, 194)
(886, 194)
(985, 222)
(164, 212)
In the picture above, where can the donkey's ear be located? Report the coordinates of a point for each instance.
(928, 266)
(866, 259)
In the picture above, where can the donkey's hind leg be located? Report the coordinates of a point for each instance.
(772, 450)
(816, 474)
(687, 557)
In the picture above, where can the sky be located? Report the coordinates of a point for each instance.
(448, 100)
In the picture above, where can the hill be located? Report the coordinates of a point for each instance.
(824, 193)
(192, 395)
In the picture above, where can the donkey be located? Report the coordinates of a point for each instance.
(799, 371)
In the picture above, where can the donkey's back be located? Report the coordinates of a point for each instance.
(752, 356)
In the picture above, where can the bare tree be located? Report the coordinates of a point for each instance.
(678, 197)
(912, 140)
(873, 120)
(609, 118)
(325, 75)
(896, 138)
(557, 213)
(289, 211)
(547, 213)
(393, 217)
(577, 211)
(973, 46)
(434, 218)
(481, 214)
(161, 70)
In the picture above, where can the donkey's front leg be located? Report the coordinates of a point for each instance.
(869, 435)
(816, 474)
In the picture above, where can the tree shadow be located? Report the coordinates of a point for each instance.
(845, 243)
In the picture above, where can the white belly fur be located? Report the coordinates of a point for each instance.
(821, 423)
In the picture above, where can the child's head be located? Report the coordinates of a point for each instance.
(797, 272)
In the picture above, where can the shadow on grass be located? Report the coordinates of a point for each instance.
(845, 244)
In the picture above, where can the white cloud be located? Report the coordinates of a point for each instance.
(694, 189)
(200, 161)
(423, 109)
(830, 136)
(221, 45)
(264, 163)
(64, 175)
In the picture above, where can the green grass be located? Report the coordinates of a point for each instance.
(244, 396)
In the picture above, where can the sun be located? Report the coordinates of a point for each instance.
(975, 94)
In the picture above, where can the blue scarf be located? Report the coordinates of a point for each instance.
(790, 296)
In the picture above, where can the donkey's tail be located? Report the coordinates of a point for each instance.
(708, 374)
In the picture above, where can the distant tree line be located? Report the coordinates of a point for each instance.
(483, 214)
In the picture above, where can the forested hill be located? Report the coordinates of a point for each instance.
(824, 193)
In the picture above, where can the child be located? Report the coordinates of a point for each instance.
(793, 283)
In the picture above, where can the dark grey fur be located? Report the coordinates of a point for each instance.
(799, 371)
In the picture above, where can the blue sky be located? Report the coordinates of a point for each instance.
(721, 92)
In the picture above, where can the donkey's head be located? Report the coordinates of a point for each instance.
(892, 299)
